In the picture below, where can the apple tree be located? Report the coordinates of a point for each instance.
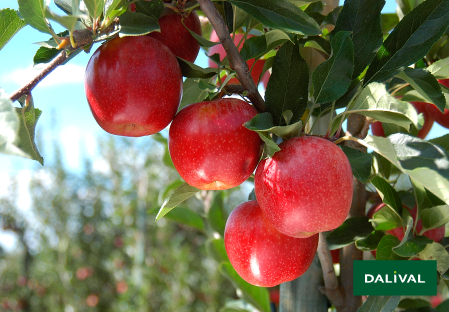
(329, 73)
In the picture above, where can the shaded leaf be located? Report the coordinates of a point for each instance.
(257, 46)
(370, 242)
(137, 24)
(111, 7)
(10, 24)
(257, 296)
(151, 8)
(410, 246)
(388, 194)
(389, 22)
(384, 249)
(45, 55)
(443, 307)
(166, 158)
(426, 85)
(351, 230)
(216, 249)
(332, 78)
(270, 146)
(410, 40)
(380, 304)
(279, 14)
(192, 93)
(33, 12)
(442, 141)
(361, 163)
(408, 303)
(183, 192)
(435, 217)
(362, 19)
(187, 217)
(386, 219)
(264, 123)
(288, 86)
(191, 70)
(436, 252)
(217, 214)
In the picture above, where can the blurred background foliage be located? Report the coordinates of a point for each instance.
(89, 241)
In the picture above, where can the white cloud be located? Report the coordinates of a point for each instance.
(68, 73)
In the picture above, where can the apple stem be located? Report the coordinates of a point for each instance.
(331, 289)
(235, 59)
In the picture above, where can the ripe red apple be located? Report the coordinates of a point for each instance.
(335, 256)
(210, 147)
(177, 38)
(262, 255)
(133, 86)
(420, 107)
(441, 118)
(306, 187)
(257, 69)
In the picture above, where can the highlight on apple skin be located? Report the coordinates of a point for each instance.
(262, 255)
(306, 187)
(133, 86)
(209, 146)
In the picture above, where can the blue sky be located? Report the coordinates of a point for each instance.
(61, 96)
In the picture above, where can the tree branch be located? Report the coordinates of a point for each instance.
(235, 59)
(331, 289)
(82, 38)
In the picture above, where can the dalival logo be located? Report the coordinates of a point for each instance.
(396, 278)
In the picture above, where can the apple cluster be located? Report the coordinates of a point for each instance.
(134, 87)
(430, 113)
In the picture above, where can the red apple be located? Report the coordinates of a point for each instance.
(257, 69)
(133, 86)
(177, 38)
(259, 253)
(420, 107)
(335, 256)
(305, 188)
(435, 234)
(210, 147)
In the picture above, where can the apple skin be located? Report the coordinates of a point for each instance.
(335, 256)
(133, 86)
(210, 147)
(177, 38)
(441, 118)
(257, 69)
(306, 187)
(421, 107)
(259, 253)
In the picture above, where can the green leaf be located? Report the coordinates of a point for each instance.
(28, 117)
(443, 307)
(9, 127)
(270, 146)
(426, 85)
(183, 192)
(192, 93)
(65, 5)
(33, 12)
(257, 296)
(166, 158)
(69, 22)
(217, 250)
(288, 86)
(187, 217)
(279, 14)
(217, 216)
(238, 306)
(95, 7)
(386, 219)
(406, 6)
(440, 69)
(362, 19)
(388, 194)
(361, 163)
(389, 22)
(435, 217)
(111, 7)
(436, 252)
(257, 46)
(442, 141)
(375, 102)
(151, 8)
(384, 249)
(412, 246)
(351, 230)
(380, 304)
(408, 303)
(410, 41)
(370, 242)
(264, 123)
(332, 78)
(423, 161)
(45, 55)
(200, 39)
(137, 24)
(10, 24)
(191, 70)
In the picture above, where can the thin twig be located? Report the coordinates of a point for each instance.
(235, 59)
(331, 288)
